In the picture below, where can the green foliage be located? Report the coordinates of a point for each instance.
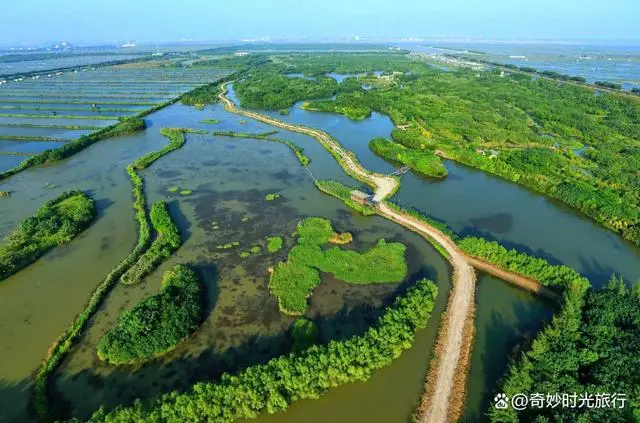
(537, 268)
(274, 244)
(55, 223)
(158, 323)
(210, 121)
(264, 90)
(592, 346)
(167, 241)
(304, 333)
(272, 196)
(529, 125)
(256, 249)
(273, 386)
(294, 280)
(424, 162)
(343, 192)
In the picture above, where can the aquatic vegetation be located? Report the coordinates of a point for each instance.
(343, 192)
(304, 333)
(256, 249)
(228, 245)
(273, 386)
(421, 161)
(5, 194)
(272, 196)
(173, 189)
(65, 341)
(167, 241)
(293, 281)
(210, 121)
(244, 219)
(245, 254)
(186, 192)
(158, 323)
(274, 244)
(57, 222)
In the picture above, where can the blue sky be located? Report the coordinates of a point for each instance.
(36, 21)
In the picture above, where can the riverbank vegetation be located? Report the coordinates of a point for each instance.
(55, 223)
(308, 374)
(591, 348)
(293, 281)
(273, 91)
(421, 161)
(304, 333)
(158, 323)
(522, 129)
(166, 243)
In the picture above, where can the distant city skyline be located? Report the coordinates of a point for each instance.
(78, 22)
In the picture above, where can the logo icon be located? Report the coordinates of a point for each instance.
(501, 401)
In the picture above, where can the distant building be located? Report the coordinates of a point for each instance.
(241, 53)
(128, 44)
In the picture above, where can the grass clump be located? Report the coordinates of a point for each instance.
(274, 244)
(167, 241)
(293, 281)
(256, 249)
(56, 223)
(173, 189)
(272, 196)
(158, 323)
(245, 254)
(186, 192)
(228, 246)
(211, 121)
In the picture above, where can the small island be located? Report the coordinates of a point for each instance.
(158, 323)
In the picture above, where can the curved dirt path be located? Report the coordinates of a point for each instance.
(444, 396)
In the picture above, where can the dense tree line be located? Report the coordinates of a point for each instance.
(592, 347)
(167, 241)
(552, 276)
(57, 222)
(273, 386)
(158, 323)
(293, 281)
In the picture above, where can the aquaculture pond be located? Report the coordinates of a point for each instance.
(228, 180)
(93, 97)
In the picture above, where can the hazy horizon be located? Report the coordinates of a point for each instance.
(39, 22)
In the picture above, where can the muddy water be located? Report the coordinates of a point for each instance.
(229, 179)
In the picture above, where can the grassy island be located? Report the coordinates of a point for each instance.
(274, 244)
(343, 192)
(167, 241)
(293, 281)
(56, 223)
(157, 324)
(307, 374)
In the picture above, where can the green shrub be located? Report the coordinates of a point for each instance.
(56, 223)
(158, 323)
(274, 244)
